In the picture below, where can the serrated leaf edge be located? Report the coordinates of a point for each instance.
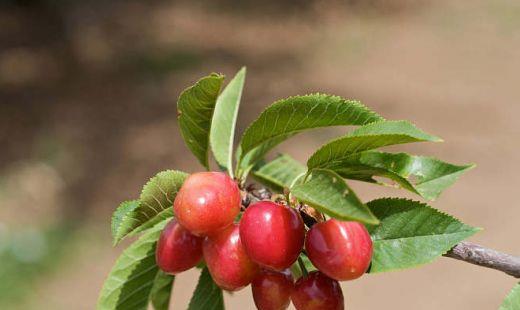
(179, 113)
(470, 231)
(281, 101)
(116, 229)
(353, 135)
(422, 204)
(150, 181)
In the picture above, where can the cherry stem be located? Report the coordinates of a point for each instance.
(302, 267)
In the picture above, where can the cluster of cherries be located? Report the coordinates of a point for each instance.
(262, 247)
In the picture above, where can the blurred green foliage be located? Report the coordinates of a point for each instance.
(27, 255)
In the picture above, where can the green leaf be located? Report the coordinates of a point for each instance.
(368, 137)
(425, 176)
(327, 192)
(224, 120)
(195, 111)
(161, 290)
(249, 160)
(512, 301)
(130, 281)
(120, 213)
(207, 295)
(161, 216)
(156, 197)
(411, 234)
(290, 116)
(280, 172)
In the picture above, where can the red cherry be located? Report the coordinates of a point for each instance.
(341, 250)
(272, 289)
(227, 261)
(317, 292)
(207, 202)
(272, 234)
(177, 249)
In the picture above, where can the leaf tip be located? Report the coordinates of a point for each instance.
(216, 75)
(470, 166)
(116, 241)
(373, 221)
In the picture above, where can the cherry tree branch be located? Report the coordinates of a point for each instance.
(478, 255)
(464, 251)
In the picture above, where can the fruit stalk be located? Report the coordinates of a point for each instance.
(302, 267)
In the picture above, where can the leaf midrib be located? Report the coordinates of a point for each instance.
(470, 229)
(441, 177)
(357, 152)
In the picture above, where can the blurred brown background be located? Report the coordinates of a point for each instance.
(87, 115)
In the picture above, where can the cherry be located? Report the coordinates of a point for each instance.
(272, 289)
(272, 234)
(316, 291)
(177, 249)
(227, 261)
(207, 202)
(341, 250)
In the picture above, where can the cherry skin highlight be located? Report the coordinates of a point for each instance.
(272, 289)
(272, 234)
(177, 249)
(316, 291)
(227, 261)
(207, 202)
(341, 250)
